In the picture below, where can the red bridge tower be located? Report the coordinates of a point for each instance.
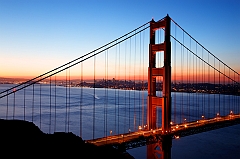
(165, 101)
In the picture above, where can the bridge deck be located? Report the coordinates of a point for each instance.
(143, 137)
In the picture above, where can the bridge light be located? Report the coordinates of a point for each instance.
(176, 137)
(185, 126)
(110, 132)
(171, 122)
(176, 126)
(139, 127)
(231, 112)
(154, 131)
(217, 114)
(197, 121)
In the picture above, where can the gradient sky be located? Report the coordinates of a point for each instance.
(39, 35)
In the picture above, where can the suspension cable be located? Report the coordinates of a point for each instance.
(204, 47)
(86, 56)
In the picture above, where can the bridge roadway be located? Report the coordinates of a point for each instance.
(142, 137)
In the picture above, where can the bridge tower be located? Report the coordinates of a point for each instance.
(165, 101)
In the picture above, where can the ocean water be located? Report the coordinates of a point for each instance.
(93, 113)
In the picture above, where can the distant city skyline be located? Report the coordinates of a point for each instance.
(37, 36)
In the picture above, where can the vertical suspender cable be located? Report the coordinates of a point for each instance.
(143, 82)
(181, 112)
(125, 83)
(125, 96)
(14, 99)
(188, 114)
(202, 87)
(234, 95)
(238, 87)
(105, 100)
(32, 103)
(229, 93)
(40, 105)
(118, 89)
(81, 99)
(130, 83)
(55, 105)
(224, 89)
(94, 94)
(139, 79)
(134, 104)
(182, 103)
(194, 105)
(69, 102)
(7, 106)
(115, 87)
(214, 111)
(107, 97)
(197, 84)
(24, 104)
(50, 107)
(219, 92)
(193, 86)
(237, 97)
(66, 85)
(209, 88)
(191, 98)
(188, 71)
(175, 72)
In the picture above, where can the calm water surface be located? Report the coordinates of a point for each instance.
(118, 111)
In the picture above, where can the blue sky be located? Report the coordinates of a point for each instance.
(38, 35)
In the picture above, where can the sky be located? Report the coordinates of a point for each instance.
(39, 35)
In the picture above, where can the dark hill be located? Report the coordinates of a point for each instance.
(23, 139)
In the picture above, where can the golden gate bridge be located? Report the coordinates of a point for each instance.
(192, 89)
